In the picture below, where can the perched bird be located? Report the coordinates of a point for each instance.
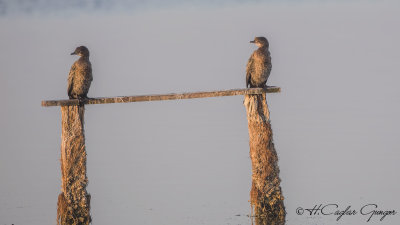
(80, 76)
(259, 65)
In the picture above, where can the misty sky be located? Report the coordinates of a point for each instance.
(335, 122)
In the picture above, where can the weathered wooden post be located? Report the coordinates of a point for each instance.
(73, 207)
(74, 201)
(265, 196)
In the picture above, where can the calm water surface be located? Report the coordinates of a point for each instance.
(186, 162)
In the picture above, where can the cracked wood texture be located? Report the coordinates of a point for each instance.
(266, 195)
(161, 97)
(73, 207)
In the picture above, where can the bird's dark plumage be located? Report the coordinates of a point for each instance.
(259, 65)
(80, 76)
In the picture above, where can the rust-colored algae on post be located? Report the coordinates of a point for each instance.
(73, 207)
(265, 196)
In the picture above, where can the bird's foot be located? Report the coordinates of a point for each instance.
(81, 100)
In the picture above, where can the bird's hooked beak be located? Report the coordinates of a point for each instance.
(74, 53)
(252, 42)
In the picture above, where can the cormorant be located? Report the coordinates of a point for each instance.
(80, 76)
(259, 65)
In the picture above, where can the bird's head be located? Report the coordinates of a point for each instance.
(260, 42)
(81, 51)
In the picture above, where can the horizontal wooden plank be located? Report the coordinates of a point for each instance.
(161, 97)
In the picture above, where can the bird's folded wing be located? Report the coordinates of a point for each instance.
(249, 70)
(71, 78)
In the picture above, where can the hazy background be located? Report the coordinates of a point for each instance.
(335, 123)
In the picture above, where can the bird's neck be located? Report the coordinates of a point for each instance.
(84, 57)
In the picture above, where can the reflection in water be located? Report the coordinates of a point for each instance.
(31, 6)
(51, 6)
(2, 8)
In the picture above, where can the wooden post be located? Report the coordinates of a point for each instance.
(265, 196)
(73, 207)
